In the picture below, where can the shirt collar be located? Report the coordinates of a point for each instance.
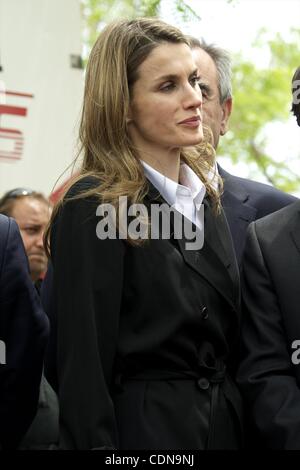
(170, 190)
(189, 180)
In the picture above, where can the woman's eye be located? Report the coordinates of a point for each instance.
(167, 87)
(31, 230)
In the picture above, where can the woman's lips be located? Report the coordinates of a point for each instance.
(191, 122)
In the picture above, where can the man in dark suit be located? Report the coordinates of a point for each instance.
(23, 334)
(243, 200)
(269, 372)
(31, 210)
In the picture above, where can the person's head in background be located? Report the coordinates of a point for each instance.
(296, 95)
(214, 66)
(32, 211)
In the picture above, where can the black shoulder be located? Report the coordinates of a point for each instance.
(81, 186)
(265, 198)
(8, 227)
(4, 224)
(278, 219)
(265, 190)
(4, 229)
(76, 210)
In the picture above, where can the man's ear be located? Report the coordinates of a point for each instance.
(226, 110)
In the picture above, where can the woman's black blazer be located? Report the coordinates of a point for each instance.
(145, 335)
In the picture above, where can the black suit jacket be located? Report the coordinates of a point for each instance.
(24, 330)
(271, 296)
(144, 335)
(244, 201)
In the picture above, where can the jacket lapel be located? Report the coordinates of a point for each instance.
(215, 261)
(295, 232)
(223, 244)
(238, 211)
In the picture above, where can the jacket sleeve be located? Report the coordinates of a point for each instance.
(88, 278)
(24, 330)
(266, 372)
(47, 298)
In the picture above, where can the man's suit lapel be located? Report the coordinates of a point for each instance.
(238, 210)
(295, 231)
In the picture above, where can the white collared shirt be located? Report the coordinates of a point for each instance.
(186, 196)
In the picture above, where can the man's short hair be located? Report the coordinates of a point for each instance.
(9, 199)
(296, 95)
(222, 60)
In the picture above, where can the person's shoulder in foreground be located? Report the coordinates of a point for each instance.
(23, 333)
(268, 373)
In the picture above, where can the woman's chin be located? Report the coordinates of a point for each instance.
(197, 139)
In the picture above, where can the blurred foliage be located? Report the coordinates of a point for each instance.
(96, 13)
(262, 96)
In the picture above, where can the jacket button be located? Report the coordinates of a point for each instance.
(204, 313)
(203, 383)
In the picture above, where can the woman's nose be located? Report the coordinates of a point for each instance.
(194, 97)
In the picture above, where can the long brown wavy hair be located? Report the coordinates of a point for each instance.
(107, 150)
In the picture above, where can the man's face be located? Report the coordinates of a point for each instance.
(215, 114)
(32, 216)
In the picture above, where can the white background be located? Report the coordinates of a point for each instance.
(36, 40)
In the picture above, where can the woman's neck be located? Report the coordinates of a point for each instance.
(167, 163)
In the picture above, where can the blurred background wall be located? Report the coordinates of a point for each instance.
(40, 92)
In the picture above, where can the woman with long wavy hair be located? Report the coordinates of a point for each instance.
(145, 285)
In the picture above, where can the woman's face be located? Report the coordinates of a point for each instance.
(165, 108)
